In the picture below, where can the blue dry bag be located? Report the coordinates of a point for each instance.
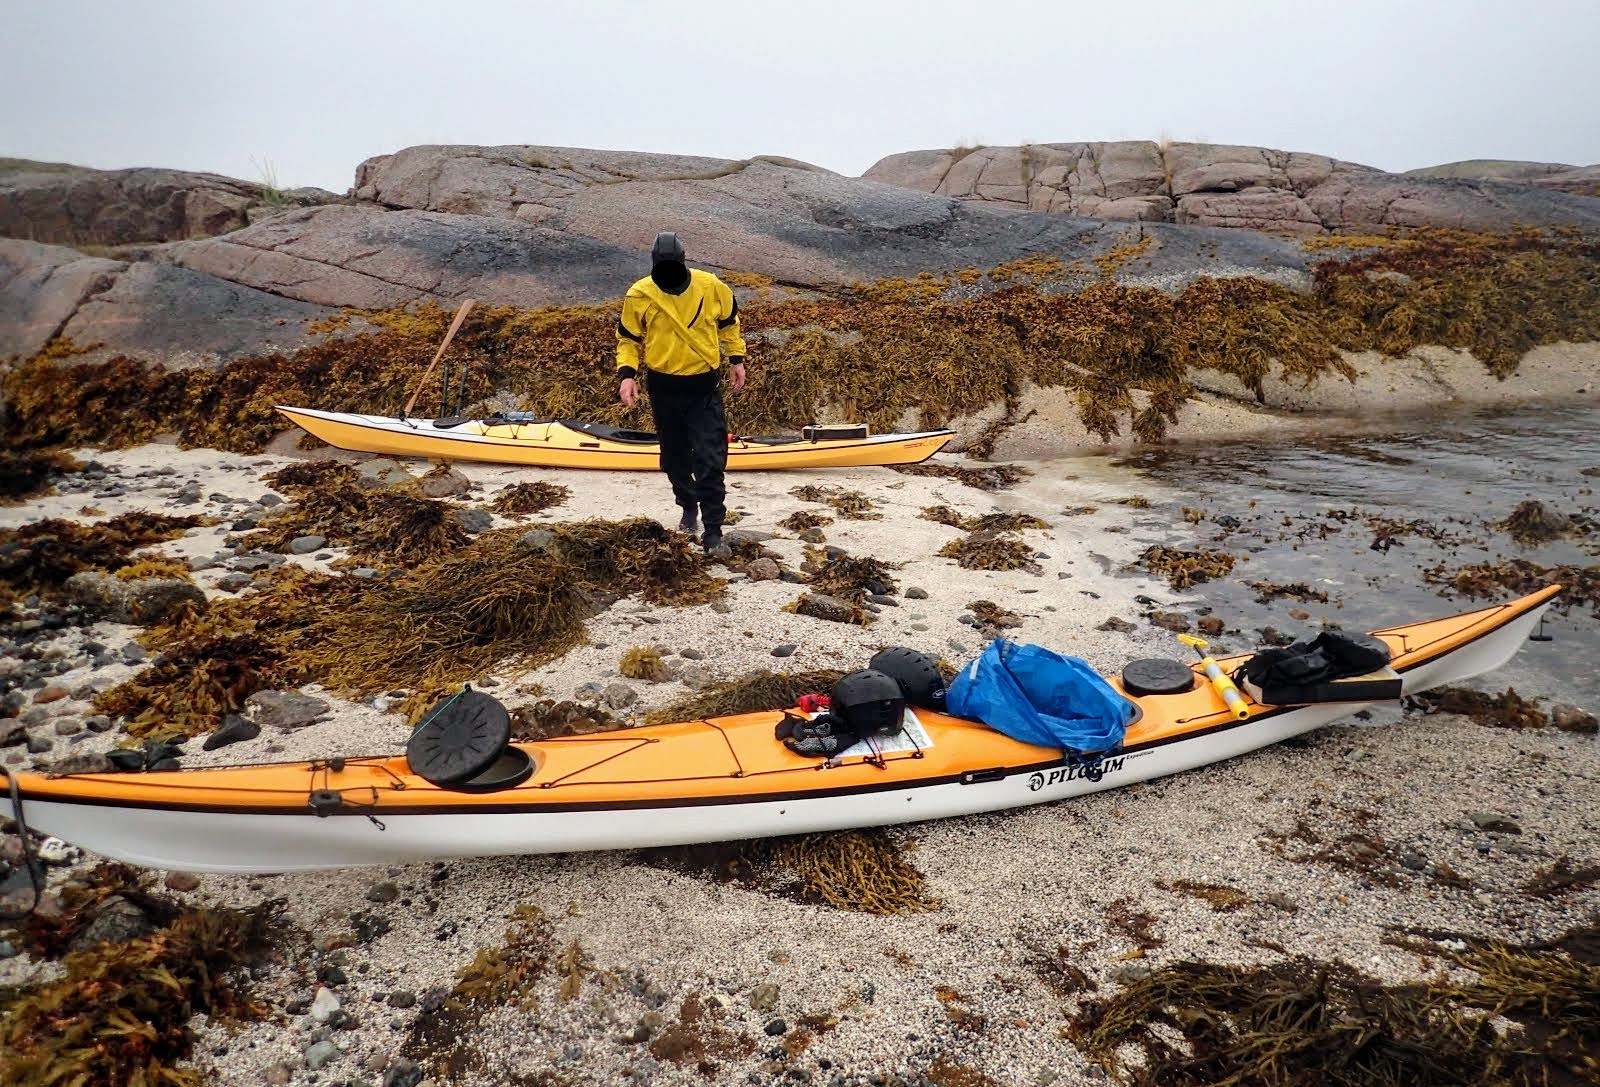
(1040, 697)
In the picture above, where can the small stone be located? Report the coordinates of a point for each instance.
(884, 599)
(49, 694)
(691, 654)
(1493, 822)
(1212, 625)
(1129, 972)
(537, 539)
(776, 1028)
(132, 653)
(269, 499)
(1410, 858)
(919, 627)
(280, 1074)
(182, 882)
(1300, 615)
(365, 572)
(1570, 718)
(402, 1073)
(695, 676)
(383, 892)
(474, 520)
(286, 710)
(320, 1054)
(785, 650)
(914, 593)
(764, 997)
(38, 745)
(619, 696)
(449, 483)
(814, 536)
(323, 1005)
(1172, 621)
(68, 726)
(763, 569)
(234, 729)
(402, 1000)
(304, 545)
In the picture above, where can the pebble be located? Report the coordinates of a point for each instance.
(402, 1000)
(1493, 821)
(323, 1005)
(49, 694)
(619, 695)
(914, 593)
(885, 599)
(305, 545)
(234, 729)
(691, 654)
(320, 1054)
(383, 892)
(402, 1073)
(785, 650)
(776, 1028)
(182, 882)
(764, 997)
(68, 726)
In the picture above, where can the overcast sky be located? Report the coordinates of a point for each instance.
(312, 88)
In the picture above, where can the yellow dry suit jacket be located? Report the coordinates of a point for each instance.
(678, 334)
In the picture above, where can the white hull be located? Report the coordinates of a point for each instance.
(229, 842)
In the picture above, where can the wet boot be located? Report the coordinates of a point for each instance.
(690, 522)
(714, 546)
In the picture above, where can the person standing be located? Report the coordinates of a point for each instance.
(677, 324)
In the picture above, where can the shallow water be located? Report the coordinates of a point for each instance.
(1458, 471)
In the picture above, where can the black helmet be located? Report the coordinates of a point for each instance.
(917, 673)
(868, 701)
(667, 265)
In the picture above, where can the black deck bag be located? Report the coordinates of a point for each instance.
(1335, 666)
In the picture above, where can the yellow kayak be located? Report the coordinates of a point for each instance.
(520, 438)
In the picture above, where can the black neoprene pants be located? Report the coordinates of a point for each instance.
(693, 430)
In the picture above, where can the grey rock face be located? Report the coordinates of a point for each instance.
(1225, 185)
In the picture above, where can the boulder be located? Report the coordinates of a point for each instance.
(76, 205)
(41, 287)
(146, 601)
(287, 710)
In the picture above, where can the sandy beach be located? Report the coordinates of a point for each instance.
(1323, 847)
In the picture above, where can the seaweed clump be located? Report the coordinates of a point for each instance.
(26, 475)
(852, 577)
(497, 977)
(1268, 591)
(524, 498)
(751, 693)
(121, 1012)
(40, 557)
(991, 477)
(989, 522)
(643, 662)
(1185, 569)
(851, 505)
(1486, 580)
(862, 871)
(1303, 1021)
(548, 718)
(1533, 523)
(1507, 709)
(801, 520)
(991, 551)
(377, 526)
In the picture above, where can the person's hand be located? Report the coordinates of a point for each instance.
(736, 376)
(628, 392)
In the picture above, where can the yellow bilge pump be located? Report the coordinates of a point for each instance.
(1219, 679)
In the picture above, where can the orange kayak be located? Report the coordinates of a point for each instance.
(691, 781)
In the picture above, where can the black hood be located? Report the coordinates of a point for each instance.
(667, 266)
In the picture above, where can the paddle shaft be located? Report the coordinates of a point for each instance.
(455, 326)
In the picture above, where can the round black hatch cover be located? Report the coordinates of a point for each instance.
(1157, 675)
(459, 739)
